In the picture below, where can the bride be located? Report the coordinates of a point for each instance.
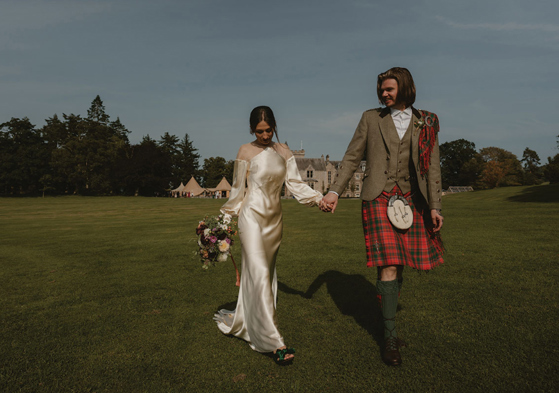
(261, 169)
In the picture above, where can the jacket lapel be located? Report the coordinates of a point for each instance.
(387, 127)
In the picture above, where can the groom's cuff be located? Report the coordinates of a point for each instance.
(334, 192)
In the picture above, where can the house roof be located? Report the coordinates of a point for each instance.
(317, 163)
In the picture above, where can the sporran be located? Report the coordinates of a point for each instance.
(399, 212)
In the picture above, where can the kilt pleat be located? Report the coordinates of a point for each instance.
(387, 245)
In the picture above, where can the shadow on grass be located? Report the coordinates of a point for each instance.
(354, 296)
(547, 193)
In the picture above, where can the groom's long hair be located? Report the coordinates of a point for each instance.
(406, 87)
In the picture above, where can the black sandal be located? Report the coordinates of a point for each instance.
(279, 356)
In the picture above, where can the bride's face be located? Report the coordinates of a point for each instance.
(264, 133)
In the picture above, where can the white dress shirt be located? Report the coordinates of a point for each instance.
(401, 120)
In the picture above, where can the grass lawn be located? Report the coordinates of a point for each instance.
(105, 295)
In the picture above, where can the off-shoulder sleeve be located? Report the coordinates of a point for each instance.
(233, 205)
(302, 192)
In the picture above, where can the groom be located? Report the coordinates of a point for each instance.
(402, 153)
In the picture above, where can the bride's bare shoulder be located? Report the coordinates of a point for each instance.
(283, 149)
(243, 153)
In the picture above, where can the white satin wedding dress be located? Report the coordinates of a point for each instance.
(260, 230)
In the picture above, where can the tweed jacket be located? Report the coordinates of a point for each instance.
(375, 139)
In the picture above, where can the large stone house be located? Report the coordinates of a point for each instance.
(319, 173)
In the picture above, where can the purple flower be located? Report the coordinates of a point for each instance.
(213, 239)
(228, 241)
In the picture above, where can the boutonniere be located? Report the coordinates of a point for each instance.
(418, 125)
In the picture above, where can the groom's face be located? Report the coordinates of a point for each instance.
(389, 93)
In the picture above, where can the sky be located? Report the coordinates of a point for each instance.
(488, 68)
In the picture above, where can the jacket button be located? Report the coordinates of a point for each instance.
(385, 172)
(437, 182)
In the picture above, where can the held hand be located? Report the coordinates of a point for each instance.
(329, 202)
(437, 220)
(324, 207)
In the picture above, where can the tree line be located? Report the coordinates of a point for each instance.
(93, 156)
(463, 165)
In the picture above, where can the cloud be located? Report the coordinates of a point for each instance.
(510, 26)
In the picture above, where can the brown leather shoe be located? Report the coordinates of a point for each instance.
(391, 352)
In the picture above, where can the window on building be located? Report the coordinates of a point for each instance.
(329, 177)
(357, 176)
(311, 185)
(357, 187)
(309, 174)
(363, 167)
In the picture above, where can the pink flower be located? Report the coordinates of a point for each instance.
(213, 239)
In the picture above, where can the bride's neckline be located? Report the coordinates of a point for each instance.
(263, 147)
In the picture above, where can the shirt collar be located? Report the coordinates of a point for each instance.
(406, 112)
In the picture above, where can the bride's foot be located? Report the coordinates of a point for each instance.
(284, 355)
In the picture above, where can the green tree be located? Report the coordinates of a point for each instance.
(230, 171)
(470, 173)
(24, 158)
(187, 160)
(551, 169)
(169, 144)
(96, 112)
(183, 157)
(215, 168)
(455, 156)
(88, 150)
(145, 171)
(68, 159)
(532, 167)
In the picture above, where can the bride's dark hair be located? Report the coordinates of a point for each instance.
(263, 113)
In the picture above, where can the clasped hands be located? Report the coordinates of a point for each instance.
(328, 203)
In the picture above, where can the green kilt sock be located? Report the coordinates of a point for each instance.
(388, 290)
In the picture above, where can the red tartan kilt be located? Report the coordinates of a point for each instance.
(387, 245)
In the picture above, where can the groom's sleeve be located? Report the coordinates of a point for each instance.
(352, 157)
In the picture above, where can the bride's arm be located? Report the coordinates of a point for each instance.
(237, 195)
(301, 190)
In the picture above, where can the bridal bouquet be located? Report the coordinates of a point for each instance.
(215, 238)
